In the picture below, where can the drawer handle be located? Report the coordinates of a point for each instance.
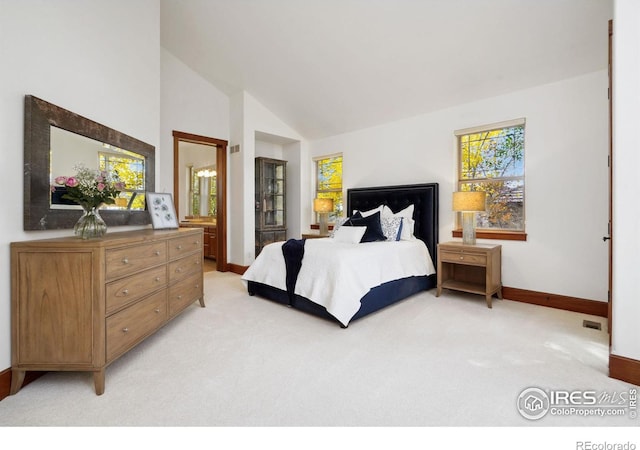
(125, 330)
(157, 310)
(197, 286)
(125, 261)
(179, 297)
(462, 257)
(179, 269)
(125, 291)
(179, 247)
(157, 252)
(197, 242)
(157, 278)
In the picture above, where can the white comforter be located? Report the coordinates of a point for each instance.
(337, 275)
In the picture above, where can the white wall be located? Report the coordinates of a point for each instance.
(248, 118)
(100, 59)
(191, 105)
(269, 149)
(626, 190)
(566, 176)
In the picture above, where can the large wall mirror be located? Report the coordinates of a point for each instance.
(56, 141)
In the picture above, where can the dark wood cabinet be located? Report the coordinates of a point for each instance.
(270, 201)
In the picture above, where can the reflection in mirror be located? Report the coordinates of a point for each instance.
(45, 125)
(69, 150)
(203, 193)
(198, 179)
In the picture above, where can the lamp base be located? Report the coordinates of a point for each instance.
(324, 226)
(468, 228)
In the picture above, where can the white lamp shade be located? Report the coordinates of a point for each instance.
(469, 201)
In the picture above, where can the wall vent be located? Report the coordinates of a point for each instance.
(235, 148)
(591, 324)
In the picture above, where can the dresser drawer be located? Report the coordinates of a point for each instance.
(184, 245)
(128, 326)
(126, 290)
(185, 292)
(463, 257)
(124, 261)
(184, 267)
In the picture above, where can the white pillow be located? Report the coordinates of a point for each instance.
(351, 235)
(337, 225)
(407, 212)
(408, 226)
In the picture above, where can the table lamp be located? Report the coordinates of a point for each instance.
(323, 206)
(468, 203)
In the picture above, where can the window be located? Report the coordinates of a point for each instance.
(491, 159)
(129, 168)
(329, 182)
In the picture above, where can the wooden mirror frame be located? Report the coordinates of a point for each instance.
(39, 116)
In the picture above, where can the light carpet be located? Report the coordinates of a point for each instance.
(245, 361)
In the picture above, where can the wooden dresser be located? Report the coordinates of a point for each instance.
(78, 305)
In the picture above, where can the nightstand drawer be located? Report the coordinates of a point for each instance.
(463, 258)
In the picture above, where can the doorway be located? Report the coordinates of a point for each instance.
(209, 209)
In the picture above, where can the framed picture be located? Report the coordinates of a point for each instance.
(161, 210)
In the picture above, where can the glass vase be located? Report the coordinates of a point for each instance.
(90, 225)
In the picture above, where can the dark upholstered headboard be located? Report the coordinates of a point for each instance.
(423, 196)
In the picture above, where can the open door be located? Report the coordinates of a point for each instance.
(219, 147)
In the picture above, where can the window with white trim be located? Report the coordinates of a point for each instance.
(329, 182)
(491, 159)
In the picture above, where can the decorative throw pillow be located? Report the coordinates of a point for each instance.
(372, 222)
(391, 228)
(351, 235)
(337, 225)
(408, 224)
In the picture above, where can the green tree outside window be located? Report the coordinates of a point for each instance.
(329, 183)
(492, 160)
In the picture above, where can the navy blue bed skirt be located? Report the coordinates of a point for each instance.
(376, 299)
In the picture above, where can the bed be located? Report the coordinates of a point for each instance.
(265, 276)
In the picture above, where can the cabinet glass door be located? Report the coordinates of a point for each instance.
(272, 193)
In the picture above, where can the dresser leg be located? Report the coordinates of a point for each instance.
(202, 301)
(17, 378)
(98, 381)
(489, 300)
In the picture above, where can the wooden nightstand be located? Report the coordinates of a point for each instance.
(313, 235)
(470, 268)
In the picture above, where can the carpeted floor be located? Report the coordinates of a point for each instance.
(245, 361)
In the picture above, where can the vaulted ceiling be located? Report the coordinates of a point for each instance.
(327, 67)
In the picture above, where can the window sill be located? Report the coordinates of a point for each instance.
(503, 235)
(315, 226)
